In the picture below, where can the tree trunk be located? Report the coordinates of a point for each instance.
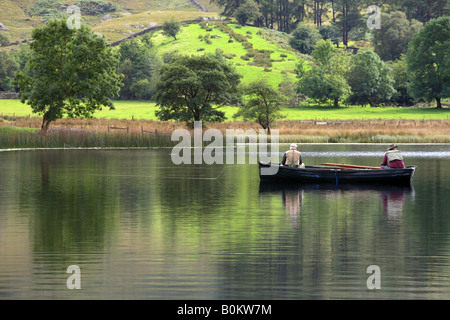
(438, 105)
(45, 125)
(336, 102)
(334, 15)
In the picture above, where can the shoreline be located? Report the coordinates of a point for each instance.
(21, 133)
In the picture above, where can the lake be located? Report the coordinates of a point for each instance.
(140, 227)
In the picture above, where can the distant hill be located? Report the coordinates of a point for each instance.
(255, 52)
(17, 17)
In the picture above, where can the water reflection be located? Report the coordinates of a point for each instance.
(292, 200)
(392, 198)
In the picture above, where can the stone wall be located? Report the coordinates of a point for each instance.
(8, 95)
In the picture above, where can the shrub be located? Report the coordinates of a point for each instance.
(96, 7)
(4, 40)
(229, 55)
(47, 8)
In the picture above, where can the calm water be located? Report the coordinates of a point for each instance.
(140, 227)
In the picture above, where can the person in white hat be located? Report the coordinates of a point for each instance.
(293, 157)
(393, 158)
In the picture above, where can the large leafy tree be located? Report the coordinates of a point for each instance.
(192, 88)
(391, 40)
(139, 63)
(69, 72)
(327, 78)
(369, 78)
(263, 104)
(428, 60)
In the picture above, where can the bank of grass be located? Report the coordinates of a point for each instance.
(17, 137)
(22, 132)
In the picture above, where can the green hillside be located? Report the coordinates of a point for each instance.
(259, 53)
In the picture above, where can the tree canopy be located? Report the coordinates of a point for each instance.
(171, 28)
(396, 31)
(304, 38)
(69, 72)
(327, 78)
(263, 104)
(428, 60)
(191, 88)
(369, 78)
(139, 64)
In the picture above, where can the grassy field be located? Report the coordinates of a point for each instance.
(146, 110)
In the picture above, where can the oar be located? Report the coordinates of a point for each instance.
(348, 166)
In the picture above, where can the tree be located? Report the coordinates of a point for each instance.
(401, 79)
(171, 28)
(391, 40)
(249, 11)
(348, 17)
(327, 79)
(69, 72)
(138, 61)
(428, 61)
(263, 104)
(304, 38)
(369, 78)
(189, 86)
(8, 67)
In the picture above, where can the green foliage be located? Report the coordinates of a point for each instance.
(47, 9)
(8, 67)
(139, 64)
(401, 79)
(171, 28)
(304, 38)
(249, 11)
(428, 61)
(370, 80)
(70, 72)
(96, 7)
(329, 32)
(391, 40)
(327, 79)
(190, 85)
(4, 40)
(263, 104)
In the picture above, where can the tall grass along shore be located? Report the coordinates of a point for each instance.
(23, 132)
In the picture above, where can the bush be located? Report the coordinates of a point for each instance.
(96, 7)
(4, 40)
(304, 38)
(229, 55)
(47, 9)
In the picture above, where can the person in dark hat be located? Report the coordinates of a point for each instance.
(393, 158)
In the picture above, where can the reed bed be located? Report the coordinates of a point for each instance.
(22, 132)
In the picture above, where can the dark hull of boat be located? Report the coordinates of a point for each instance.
(311, 174)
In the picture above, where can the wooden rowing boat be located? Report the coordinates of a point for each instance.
(335, 174)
